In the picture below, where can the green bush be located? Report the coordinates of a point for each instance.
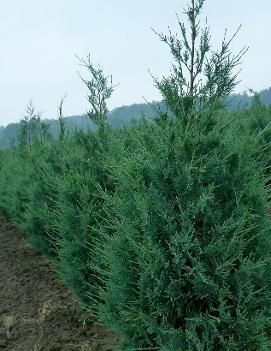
(15, 178)
(189, 256)
(40, 215)
(80, 209)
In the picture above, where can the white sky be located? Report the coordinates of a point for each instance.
(39, 40)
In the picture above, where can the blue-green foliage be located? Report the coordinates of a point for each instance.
(42, 193)
(188, 257)
(161, 229)
(80, 210)
(53, 194)
(14, 181)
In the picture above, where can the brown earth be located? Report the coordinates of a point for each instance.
(37, 312)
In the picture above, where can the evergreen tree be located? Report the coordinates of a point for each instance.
(188, 256)
(186, 252)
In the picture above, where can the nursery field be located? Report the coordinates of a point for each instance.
(37, 312)
(152, 236)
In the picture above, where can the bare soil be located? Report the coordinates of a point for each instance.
(37, 311)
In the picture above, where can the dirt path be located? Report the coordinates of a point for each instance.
(37, 312)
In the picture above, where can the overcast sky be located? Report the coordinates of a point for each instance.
(40, 38)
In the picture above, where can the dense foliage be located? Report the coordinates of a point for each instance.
(161, 227)
(188, 255)
(164, 236)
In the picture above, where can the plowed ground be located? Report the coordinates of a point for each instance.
(37, 312)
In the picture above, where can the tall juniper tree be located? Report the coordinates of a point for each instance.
(186, 252)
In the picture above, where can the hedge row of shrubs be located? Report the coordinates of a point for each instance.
(164, 235)
(162, 229)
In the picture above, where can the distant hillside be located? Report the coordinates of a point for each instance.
(126, 115)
